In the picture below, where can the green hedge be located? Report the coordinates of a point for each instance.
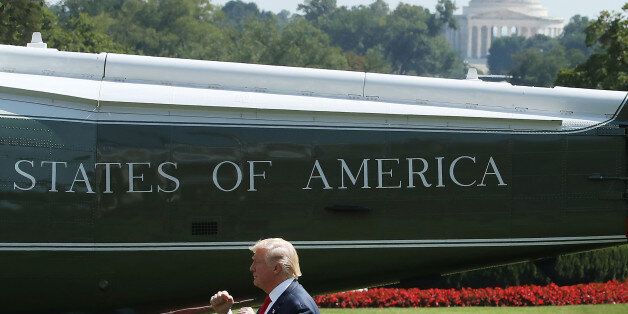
(594, 266)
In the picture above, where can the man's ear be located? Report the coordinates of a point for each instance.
(277, 268)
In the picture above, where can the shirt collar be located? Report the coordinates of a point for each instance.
(279, 290)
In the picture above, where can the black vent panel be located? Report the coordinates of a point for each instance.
(204, 228)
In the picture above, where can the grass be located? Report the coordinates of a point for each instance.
(577, 309)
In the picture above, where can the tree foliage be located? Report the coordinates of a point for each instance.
(255, 42)
(237, 13)
(302, 44)
(500, 53)
(78, 33)
(357, 29)
(315, 9)
(19, 19)
(536, 61)
(574, 35)
(409, 38)
(182, 29)
(593, 266)
(607, 68)
(539, 62)
(406, 40)
(589, 54)
(445, 10)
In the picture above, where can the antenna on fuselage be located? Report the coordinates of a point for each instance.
(36, 41)
(472, 74)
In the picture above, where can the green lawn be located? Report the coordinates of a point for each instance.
(580, 309)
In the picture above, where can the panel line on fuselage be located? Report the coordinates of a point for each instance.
(354, 244)
(315, 127)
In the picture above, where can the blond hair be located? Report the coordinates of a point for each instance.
(282, 252)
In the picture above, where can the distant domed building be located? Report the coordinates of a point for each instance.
(483, 20)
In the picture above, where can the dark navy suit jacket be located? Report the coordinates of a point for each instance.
(294, 300)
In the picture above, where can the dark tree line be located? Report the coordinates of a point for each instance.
(594, 266)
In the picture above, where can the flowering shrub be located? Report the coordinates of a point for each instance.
(593, 293)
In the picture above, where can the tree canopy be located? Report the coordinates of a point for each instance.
(589, 54)
(607, 67)
(409, 38)
(537, 60)
(19, 19)
(406, 40)
(501, 51)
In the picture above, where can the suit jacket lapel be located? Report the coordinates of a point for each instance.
(282, 298)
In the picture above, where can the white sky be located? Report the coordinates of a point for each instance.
(557, 8)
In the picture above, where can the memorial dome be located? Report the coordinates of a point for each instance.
(532, 8)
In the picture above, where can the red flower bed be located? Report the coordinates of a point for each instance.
(593, 293)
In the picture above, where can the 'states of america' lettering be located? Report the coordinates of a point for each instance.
(391, 173)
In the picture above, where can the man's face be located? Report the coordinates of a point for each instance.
(263, 273)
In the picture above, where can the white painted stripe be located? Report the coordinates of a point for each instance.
(357, 244)
(514, 124)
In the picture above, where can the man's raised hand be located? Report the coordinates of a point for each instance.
(222, 302)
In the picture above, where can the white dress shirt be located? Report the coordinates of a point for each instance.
(275, 293)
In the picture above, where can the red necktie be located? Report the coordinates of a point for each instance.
(262, 309)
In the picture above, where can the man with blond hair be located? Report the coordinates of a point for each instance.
(275, 270)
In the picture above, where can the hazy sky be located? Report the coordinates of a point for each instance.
(556, 8)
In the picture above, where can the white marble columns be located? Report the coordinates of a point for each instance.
(475, 37)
